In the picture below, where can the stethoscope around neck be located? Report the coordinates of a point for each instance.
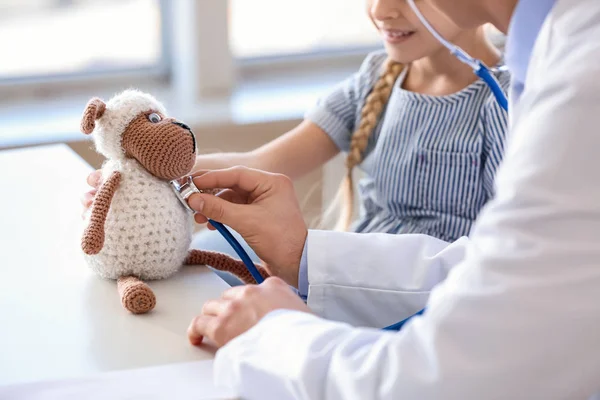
(187, 188)
(479, 68)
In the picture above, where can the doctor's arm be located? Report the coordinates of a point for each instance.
(518, 318)
(373, 279)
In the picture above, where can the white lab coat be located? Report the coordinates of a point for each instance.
(518, 313)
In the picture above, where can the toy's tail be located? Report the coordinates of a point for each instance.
(224, 262)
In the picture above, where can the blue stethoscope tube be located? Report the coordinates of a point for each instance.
(398, 325)
(484, 73)
(479, 68)
(238, 249)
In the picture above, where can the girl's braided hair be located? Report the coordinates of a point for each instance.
(370, 114)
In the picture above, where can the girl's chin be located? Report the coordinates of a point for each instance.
(405, 54)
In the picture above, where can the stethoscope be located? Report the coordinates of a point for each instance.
(479, 68)
(187, 188)
(184, 190)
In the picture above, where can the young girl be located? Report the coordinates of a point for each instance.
(426, 132)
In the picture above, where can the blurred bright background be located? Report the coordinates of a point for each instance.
(50, 37)
(240, 72)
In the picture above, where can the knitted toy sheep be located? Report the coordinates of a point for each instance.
(137, 229)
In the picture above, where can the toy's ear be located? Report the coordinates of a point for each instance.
(94, 110)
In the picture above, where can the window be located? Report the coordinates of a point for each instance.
(209, 59)
(42, 38)
(261, 28)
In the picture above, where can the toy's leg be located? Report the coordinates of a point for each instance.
(223, 262)
(136, 296)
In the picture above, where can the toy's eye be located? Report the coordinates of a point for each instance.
(154, 118)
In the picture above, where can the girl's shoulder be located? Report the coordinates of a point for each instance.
(371, 69)
(374, 62)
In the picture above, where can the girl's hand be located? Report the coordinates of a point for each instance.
(94, 180)
(240, 308)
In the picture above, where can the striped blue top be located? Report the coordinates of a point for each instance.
(430, 163)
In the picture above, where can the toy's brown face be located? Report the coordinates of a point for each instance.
(164, 146)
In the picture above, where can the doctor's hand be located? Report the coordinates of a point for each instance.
(240, 308)
(260, 206)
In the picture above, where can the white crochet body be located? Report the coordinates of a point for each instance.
(147, 231)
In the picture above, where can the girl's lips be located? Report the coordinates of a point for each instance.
(395, 36)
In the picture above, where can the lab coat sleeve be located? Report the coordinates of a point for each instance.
(519, 317)
(375, 279)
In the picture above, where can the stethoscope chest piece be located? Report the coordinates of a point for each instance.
(184, 190)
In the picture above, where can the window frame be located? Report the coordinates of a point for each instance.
(98, 78)
(205, 66)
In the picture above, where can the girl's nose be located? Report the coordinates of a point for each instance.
(382, 10)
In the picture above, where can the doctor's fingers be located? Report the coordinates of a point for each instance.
(217, 307)
(214, 328)
(241, 292)
(233, 196)
(196, 330)
(230, 195)
(242, 178)
(237, 216)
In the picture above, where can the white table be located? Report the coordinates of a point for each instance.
(57, 319)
